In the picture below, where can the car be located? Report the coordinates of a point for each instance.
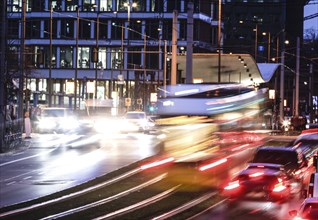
(56, 120)
(308, 210)
(293, 158)
(308, 141)
(136, 121)
(259, 182)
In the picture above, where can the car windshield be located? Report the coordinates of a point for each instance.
(53, 113)
(277, 157)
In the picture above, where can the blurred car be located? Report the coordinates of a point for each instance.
(312, 126)
(136, 121)
(308, 140)
(259, 182)
(295, 161)
(308, 210)
(58, 120)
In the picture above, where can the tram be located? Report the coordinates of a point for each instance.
(208, 99)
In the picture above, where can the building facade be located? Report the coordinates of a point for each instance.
(272, 31)
(79, 49)
(74, 50)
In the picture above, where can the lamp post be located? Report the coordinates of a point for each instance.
(219, 40)
(22, 68)
(50, 62)
(256, 33)
(282, 80)
(95, 53)
(129, 5)
(76, 61)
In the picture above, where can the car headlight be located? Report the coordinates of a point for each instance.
(69, 124)
(47, 124)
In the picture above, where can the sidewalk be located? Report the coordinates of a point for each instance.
(23, 144)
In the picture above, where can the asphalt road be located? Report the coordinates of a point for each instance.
(47, 166)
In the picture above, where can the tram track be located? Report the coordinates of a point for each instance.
(131, 195)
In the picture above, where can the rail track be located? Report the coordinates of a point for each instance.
(128, 194)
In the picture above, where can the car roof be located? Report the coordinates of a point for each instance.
(277, 148)
(311, 200)
(310, 131)
(307, 136)
(266, 165)
(267, 171)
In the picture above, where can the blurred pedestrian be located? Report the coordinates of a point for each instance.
(27, 125)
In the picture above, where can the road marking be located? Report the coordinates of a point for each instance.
(25, 158)
(13, 182)
(28, 177)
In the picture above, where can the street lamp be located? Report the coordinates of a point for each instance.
(129, 5)
(282, 80)
(256, 33)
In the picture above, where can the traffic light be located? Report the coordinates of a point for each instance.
(139, 101)
(152, 107)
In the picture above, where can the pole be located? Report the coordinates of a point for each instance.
(269, 48)
(219, 40)
(22, 67)
(50, 61)
(3, 97)
(97, 38)
(144, 78)
(159, 61)
(277, 49)
(76, 61)
(165, 67)
(281, 95)
(189, 43)
(297, 78)
(276, 82)
(310, 84)
(256, 33)
(128, 11)
(173, 79)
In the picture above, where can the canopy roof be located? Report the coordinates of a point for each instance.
(240, 68)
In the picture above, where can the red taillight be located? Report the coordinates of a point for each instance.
(232, 185)
(256, 174)
(157, 163)
(211, 165)
(279, 187)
